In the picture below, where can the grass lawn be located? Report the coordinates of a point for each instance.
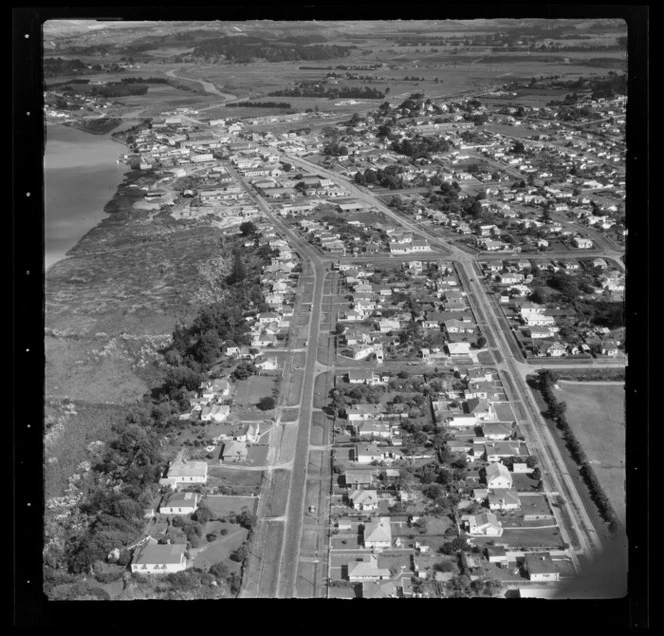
(248, 392)
(235, 481)
(223, 505)
(596, 414)
(290, 415)
(221, 549)
(257, 455)
(278, 494)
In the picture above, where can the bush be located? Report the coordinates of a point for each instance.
(240, 554)
(211, 536)
(266, 403)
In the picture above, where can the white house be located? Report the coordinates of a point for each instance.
(378, 534)
(179, 503)
(497, 476)
(367, 570)
(540, 567)
(582, 243)
(484, 525)
(502, 499)
(159, 559)
(183, 471)
(363, 500)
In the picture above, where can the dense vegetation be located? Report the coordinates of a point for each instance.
(259, 105)
(59, 66)
(251, 48)
(421, 147)
(309, 89)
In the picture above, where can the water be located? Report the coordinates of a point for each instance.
(80, 176)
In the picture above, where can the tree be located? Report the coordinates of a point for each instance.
(536, 474)
(243, 371)
(481, 341)
(240, 554)
(266, 403)
(340, 328)
(246, 519)
(239, 272)
(248, 228)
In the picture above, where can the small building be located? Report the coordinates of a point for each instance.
(497, 476)
(234, 451)
(497, 554)
(458, 349)
(367, 570)
(153, 558)
(540, 567)
(504, 499)
(486, 525)
(363, 500)
(366, 453)
(183, 471)
(378, 534)
(179, 503)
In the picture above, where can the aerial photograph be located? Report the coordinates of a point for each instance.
(335, 309)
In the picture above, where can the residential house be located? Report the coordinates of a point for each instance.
(610, 348)
(179, 503)
(363, 500)
(582, 243)
(377, 534)
(358, 478)
(184, 471)
(504, 499)
(484, 525)
(365, 453)
(363, 376)
(497, 476)
(497, 430)
(367, 570)
(458, 349)
(371, 429)
(359, 412)
(153, 558)
(234, 451)
(541, 568)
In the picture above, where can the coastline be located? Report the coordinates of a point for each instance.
(81, 176)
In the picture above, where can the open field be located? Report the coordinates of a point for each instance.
(596, 414)
(278, 494)
(248, 392)
(220, 549)
(223, 505)
(236, 481)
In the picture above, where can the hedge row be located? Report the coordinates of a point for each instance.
(557, 413)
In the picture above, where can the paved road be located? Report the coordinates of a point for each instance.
(286, 553)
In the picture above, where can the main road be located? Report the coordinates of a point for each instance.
(284, 555)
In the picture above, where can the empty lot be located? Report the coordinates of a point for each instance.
(596, 413)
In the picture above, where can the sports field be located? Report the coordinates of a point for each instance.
(596, 413)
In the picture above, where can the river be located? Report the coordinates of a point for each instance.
(80, 176)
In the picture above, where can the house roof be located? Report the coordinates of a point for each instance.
(378, 530)
(182, 468)
(484, 518)
(509, 496)
(160, 554)
(540, 563)
(363, 496)
(180, 499)
(496, 470)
